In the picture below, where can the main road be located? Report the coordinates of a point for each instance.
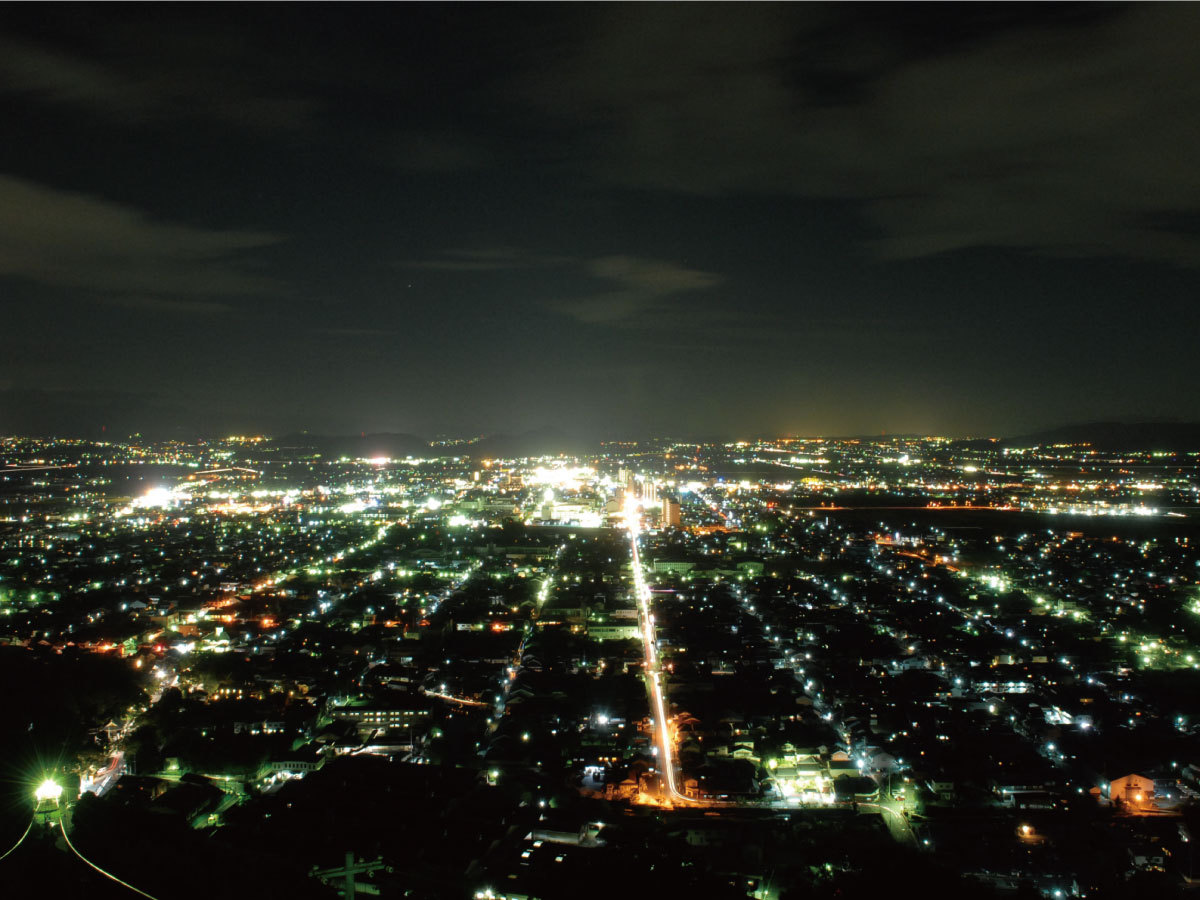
(900, 828)
(653, 671)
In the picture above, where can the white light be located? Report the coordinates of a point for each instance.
(565, 477)
(48, 790)
(155, 498)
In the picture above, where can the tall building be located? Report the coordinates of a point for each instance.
(670, 513)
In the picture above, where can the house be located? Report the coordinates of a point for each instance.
(1132, 791)
(941, 787)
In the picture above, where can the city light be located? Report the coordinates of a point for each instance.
(384, 565)
(772, 430)
(48, 791)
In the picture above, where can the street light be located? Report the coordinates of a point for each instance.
(48, 791)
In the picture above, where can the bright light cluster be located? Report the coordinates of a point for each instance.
(562, 477)
(156, 498)
(48, 790)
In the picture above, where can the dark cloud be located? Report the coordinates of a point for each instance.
(488, 259)
(44, 73)
(133, 83)
(631, 287)
(1063, 140)
(74, 411)
(357, 332)
(509, 216)
(436, 152)
(638, 288)
(167, 305)
(66, 239)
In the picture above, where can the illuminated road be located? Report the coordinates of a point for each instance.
(897, 824)
(451, 698)
(100, 783)
(666, 751)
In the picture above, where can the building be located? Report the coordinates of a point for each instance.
(612, 631)
(1134, 792)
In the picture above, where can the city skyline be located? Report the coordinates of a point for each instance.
(603, 221)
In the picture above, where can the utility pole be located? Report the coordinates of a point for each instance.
(347, 872)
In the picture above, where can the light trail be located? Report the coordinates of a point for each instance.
(653, 670)
(653, 673)
(109, 875)
(451, 698)
(20, 840)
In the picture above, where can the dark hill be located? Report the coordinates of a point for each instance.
(396, 446)
(1117, 436)
(544, 442)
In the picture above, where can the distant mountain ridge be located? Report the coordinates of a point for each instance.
(364, 446)
(1117, 436)
(544, 442)
(1105, 435)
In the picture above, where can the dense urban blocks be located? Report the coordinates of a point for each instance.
(750, 669)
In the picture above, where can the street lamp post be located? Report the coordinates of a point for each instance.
(46, 797)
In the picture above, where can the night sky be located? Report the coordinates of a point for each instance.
(611, 220)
